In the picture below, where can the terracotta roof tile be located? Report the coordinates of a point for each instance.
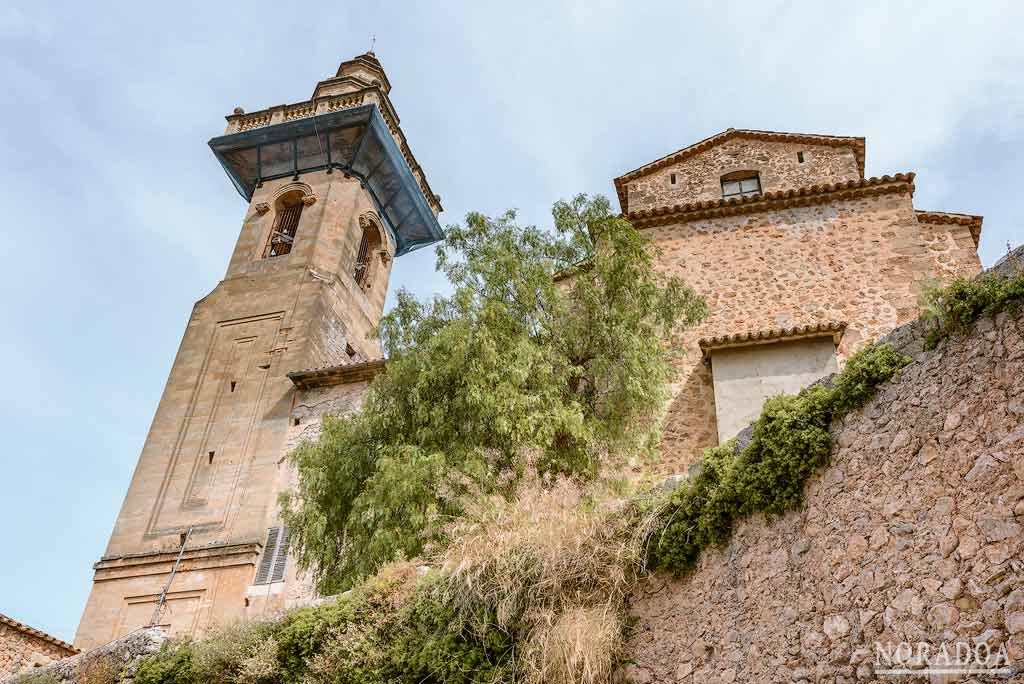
(780, 199)
(943, 217)
(337, 375)
(22, 627)
(754, 337)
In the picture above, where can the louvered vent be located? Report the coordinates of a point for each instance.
(281, 558)
(275, 557)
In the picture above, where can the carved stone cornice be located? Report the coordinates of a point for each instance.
(262, 208)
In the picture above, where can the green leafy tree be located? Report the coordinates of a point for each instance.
(553, 353)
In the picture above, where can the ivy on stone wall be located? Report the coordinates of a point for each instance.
(790, 442)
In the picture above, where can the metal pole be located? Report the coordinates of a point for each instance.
(163, 594)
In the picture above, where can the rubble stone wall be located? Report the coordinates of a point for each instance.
(859, 261)
(20, 650)
(698, 178)
(914, 533)
(120, 656)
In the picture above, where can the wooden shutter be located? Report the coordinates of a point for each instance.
(275, 557)
(281, 557)
(267, 562)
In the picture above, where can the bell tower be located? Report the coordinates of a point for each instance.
(334, 194)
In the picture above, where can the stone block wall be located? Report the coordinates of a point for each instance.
(23, 648)
(698, 177)
(120, 656)
(914, 533)
(861, 261)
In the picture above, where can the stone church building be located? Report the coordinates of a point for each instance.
(801, 258)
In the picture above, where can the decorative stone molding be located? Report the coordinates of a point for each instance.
(371, 218)
(385, 257)
(293, 186)
(262, 208)
(309, 200)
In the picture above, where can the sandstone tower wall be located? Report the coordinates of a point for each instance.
(304, 289)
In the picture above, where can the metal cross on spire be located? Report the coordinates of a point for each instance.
(373, 42)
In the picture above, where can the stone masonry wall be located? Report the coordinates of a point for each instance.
(861, 261)
(21, 650)
(311, 405)
(912, 534)
(120, 656)
(698, 178)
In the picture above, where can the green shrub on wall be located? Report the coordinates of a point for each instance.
(954, 308)
(391, 629)
(790, 442)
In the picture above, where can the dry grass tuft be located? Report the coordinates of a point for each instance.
(555, 565)
(580, 645)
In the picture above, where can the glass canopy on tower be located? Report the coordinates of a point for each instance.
(355, 141)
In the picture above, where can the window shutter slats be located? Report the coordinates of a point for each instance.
(275, 557)
(267, 561)
(281, 558)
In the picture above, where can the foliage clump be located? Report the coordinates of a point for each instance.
(790, 441)
(953, 308)
(515, 371)
(555, 565)
(391, 629)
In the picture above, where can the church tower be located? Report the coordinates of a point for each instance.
(334, 195)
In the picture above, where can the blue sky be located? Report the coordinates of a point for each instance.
(118, 217)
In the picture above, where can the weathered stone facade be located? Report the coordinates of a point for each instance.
(912, 534)
(821, 246)
(820, 249)
(24, 648)
(776, 157)
(115, 661)
(211, 467)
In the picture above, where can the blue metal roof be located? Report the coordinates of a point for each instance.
(355, 141)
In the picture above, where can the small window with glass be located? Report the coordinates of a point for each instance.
(741, 184)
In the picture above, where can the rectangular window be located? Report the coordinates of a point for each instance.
(800, 157)
(741, 187)
(672, 179)
(275, 557)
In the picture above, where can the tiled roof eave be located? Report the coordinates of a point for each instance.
(948, 218)
(31, 631)
(771, 201)
(835, 329)
(337, 375)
